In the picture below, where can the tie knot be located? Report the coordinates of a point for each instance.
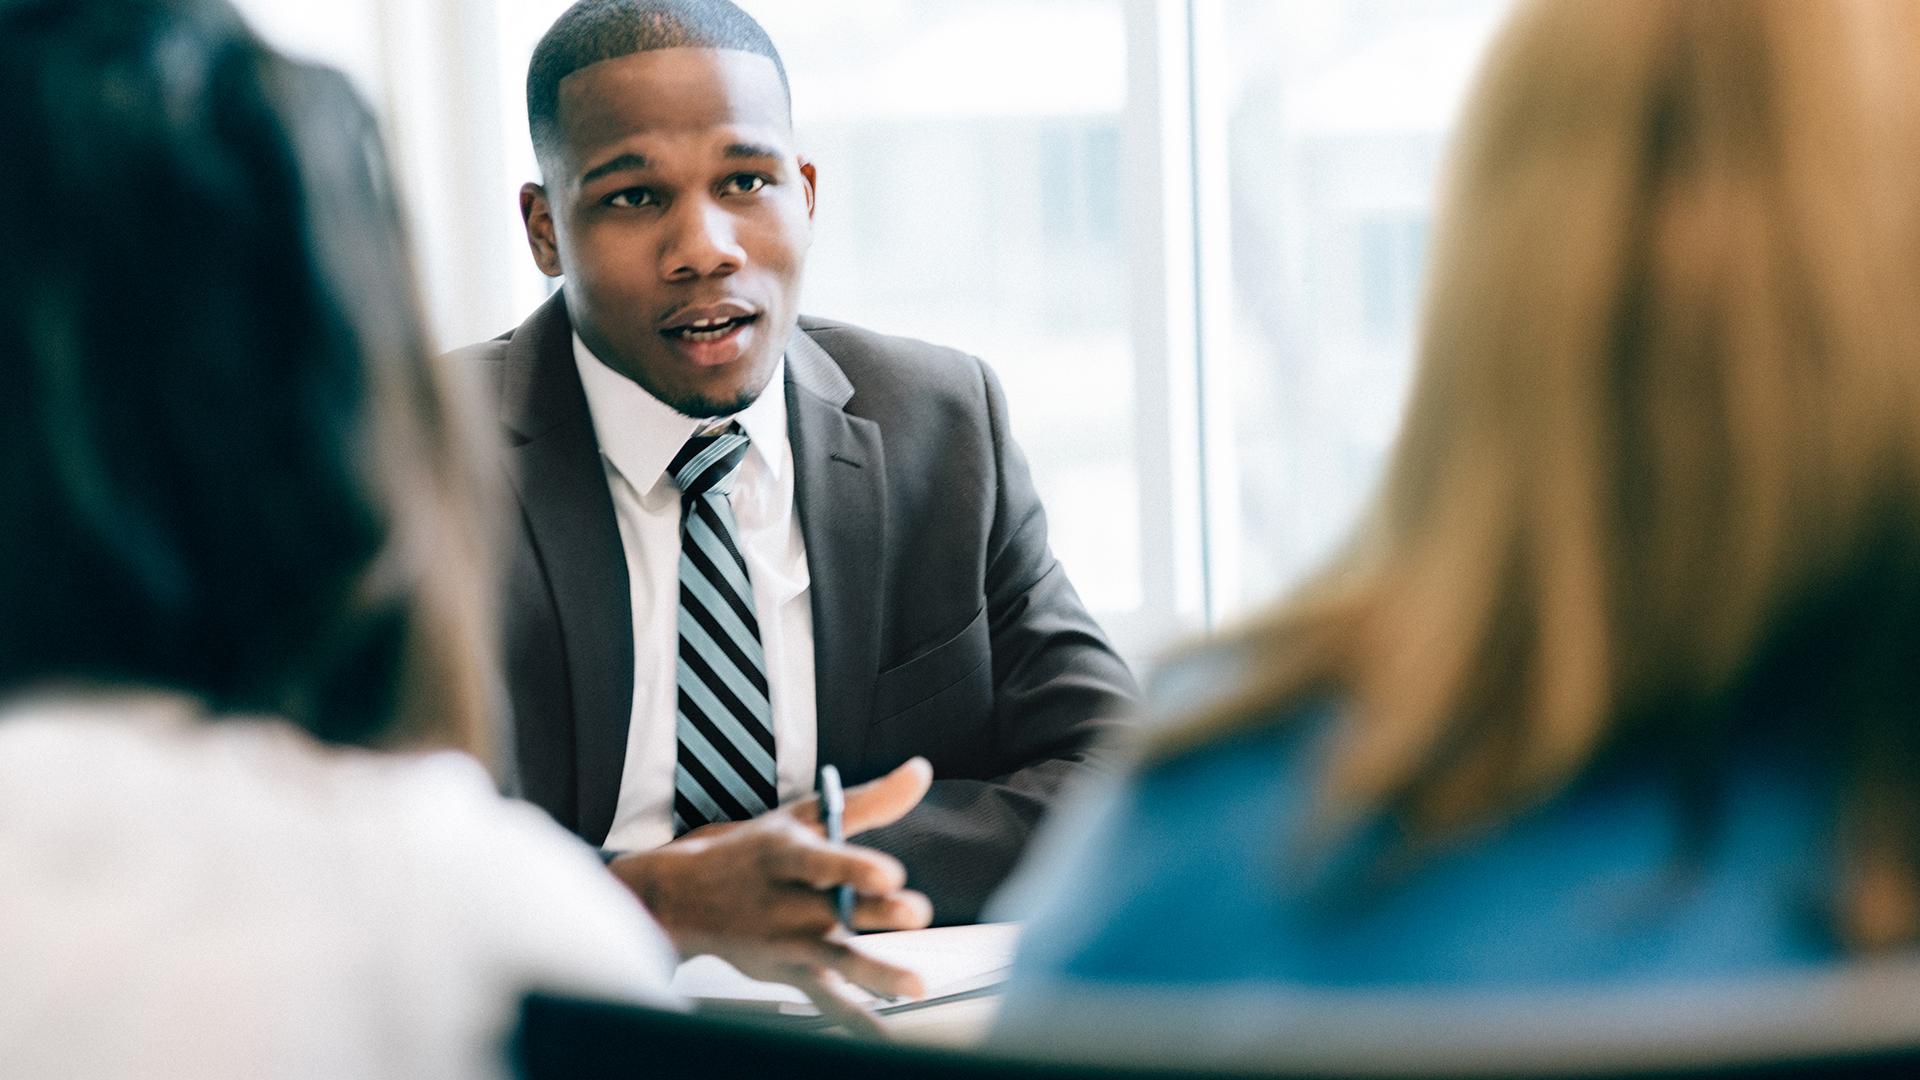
(708, 462)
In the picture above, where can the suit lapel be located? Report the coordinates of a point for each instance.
(840, 485)
(563, 489)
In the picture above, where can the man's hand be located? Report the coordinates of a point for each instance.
(754, 894)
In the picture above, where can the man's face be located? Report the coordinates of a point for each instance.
(680, 214)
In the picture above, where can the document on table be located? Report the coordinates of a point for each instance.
(953, 961)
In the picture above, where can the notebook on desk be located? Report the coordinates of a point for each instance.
(954, 962)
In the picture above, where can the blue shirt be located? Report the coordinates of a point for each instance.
(1194, 873)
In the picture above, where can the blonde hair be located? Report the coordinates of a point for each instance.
(1664, 440)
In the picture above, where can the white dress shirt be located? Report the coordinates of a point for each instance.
(638, 436)
(218, 900)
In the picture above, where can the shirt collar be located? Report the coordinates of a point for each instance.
(640, 434)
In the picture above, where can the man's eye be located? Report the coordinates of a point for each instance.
(744, 184)
(633, 197)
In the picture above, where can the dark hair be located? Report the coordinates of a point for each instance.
(594, 30)
(230, 470)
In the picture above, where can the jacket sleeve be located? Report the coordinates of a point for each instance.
(1059, 691)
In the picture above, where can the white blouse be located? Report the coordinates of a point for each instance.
(184, 898)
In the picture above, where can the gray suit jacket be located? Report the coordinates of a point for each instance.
(942, 624)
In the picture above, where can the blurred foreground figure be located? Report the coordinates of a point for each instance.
(1615, 688)
(242, 576)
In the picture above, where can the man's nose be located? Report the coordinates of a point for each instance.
(701, 243)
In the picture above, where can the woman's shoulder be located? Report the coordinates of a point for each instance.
(508, 880)
(386, 846)
(1151, 876)
(1245, 770)
(1207, 867)
(1191, 757)
(237, 875)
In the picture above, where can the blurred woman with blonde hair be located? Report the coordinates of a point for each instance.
(1615, 685)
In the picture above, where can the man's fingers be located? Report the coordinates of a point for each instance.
(804, 859)
(874, 975)
(796, 913)
(828, 992)
(904, 910)
(878, 977)
(875, 803)
(887, 799)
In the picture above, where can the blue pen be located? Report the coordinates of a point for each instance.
(833, 811)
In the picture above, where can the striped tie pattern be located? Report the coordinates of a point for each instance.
(724, 770)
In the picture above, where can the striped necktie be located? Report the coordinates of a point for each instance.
(724, 769)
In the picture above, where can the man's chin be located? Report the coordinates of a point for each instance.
(701, 407)
(709, 401)
(704, 402)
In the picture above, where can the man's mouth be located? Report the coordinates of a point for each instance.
(703, 330)
(714, 337)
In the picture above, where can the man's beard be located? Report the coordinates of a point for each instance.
(697, 405)
(702, 408)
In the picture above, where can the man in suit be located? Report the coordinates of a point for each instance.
(754, 543)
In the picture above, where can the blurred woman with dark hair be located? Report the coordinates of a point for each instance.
(1616, 686)
(243, 559)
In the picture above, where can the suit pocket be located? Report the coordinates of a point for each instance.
(907, 684)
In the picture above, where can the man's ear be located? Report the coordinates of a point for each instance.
(810, 177)
(537, 214)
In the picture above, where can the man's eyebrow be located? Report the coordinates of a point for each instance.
(751, 150)
(622, 163)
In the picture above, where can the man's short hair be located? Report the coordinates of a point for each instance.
(594, 30)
